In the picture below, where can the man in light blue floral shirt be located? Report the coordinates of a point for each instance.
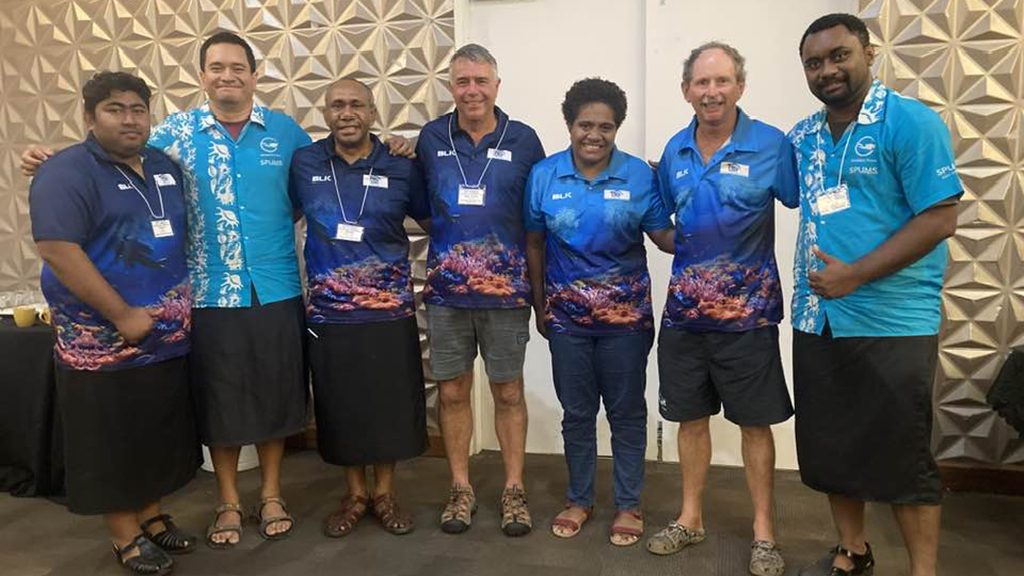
(247, 357)
(878, 198)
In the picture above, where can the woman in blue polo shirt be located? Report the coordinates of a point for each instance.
(108, 218)
(587, 210)
(363, 341)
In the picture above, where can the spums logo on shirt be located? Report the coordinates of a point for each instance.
(269, 145)
(865, 146)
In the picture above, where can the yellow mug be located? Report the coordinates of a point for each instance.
(44, 316)
(24, 316)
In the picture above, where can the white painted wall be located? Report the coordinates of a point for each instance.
(542, 46)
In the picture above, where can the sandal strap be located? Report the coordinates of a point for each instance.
(385, 507)
(229, 507)
(840, 550)
(135, 543)
(282, 517)
(163, 518)
(343, 520)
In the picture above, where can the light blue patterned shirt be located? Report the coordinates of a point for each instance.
(240, 233)
(895, 161)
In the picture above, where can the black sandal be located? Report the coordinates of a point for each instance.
(172, 539)
(151, 559)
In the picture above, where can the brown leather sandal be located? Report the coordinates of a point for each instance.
(266, 520)
(230, 528)
(562, 520)
(342, 521)
(629, 525)
(385, 508)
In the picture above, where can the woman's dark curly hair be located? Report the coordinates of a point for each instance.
(589, 91)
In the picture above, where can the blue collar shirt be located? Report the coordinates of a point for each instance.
(724, 274)
(477, 256)
(596, 279)
(241, 236)
(895, 162)
(120, 220)
(368, 280)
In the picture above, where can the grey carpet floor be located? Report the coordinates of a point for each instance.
(982, 535)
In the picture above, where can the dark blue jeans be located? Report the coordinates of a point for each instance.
(587, 370)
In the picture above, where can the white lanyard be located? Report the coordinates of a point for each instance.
(149, 206)
(842, 159)
(489, 159)
(334, 180)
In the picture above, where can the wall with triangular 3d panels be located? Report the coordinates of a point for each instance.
(965, 59)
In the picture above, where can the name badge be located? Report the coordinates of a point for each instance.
(375, 181)
(472, 195)
(496, 154)
(616, 195)
(735, 169)
(162, 228)
(349, 232)
(163, 179)
(834, 200)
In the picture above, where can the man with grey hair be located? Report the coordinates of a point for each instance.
(719, 339)
(475, 162)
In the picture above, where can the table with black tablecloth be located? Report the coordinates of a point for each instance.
(31, 449)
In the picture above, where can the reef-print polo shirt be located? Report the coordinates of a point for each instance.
(596, 279)
(132, 228)
(240, 218)
(477, 256)
(724, 275)
(357, 249)
(894, 162)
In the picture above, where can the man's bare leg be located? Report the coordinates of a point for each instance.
(759, 466)
(456, 414)
(510, 421)
(920, 528)
(694, 443)
(225, 468)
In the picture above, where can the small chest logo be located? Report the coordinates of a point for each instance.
(445, 153)
(561, 196)
(123, 187)
(269, 145)
(682, 173)
(865, 147)
(317, 179)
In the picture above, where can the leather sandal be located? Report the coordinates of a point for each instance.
(172, 539)
(573, 526)
(343, 521)
(385, 508)
(620, 528)
(215, 528)
(266, 521)
(150, 560)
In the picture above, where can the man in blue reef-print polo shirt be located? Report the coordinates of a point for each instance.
(719, 344)
(475, 161)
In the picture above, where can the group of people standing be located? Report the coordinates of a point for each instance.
(180, 242)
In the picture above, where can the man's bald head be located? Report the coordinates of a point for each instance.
(350, 83)
(349, 113)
